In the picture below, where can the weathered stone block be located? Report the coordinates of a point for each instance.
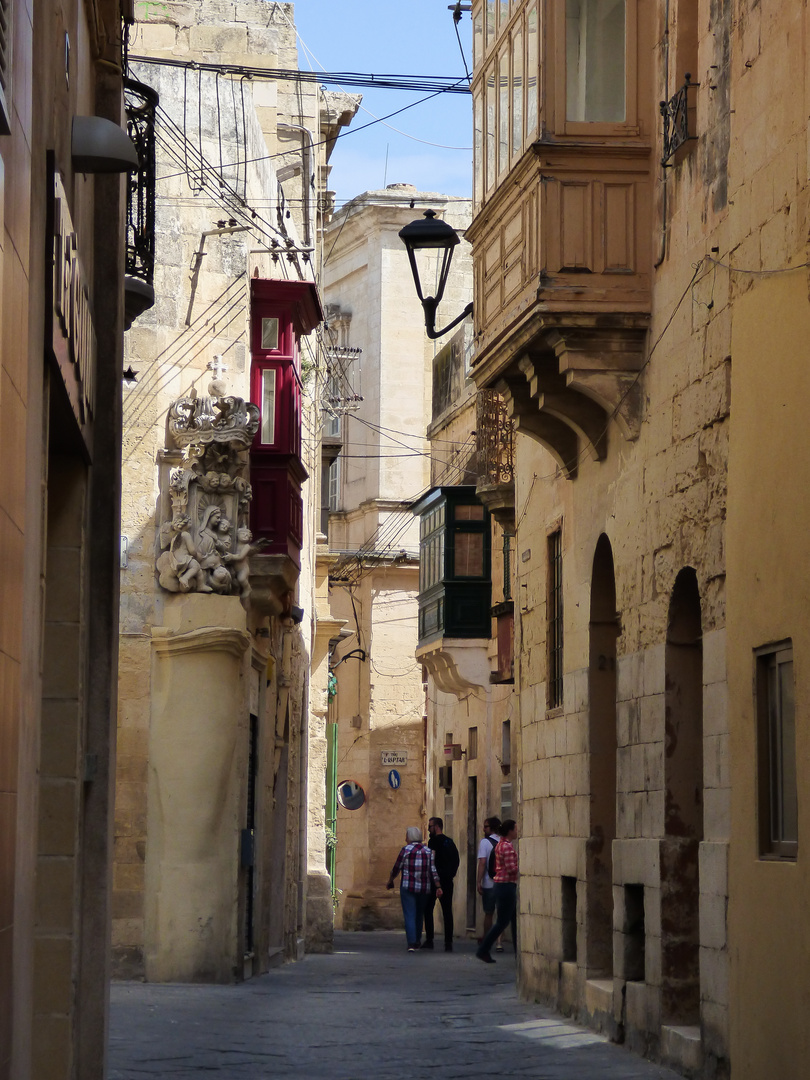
(714, 975)
(713, 921)
(717, 814)
(713, 862)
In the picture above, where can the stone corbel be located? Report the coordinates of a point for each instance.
(272, 580)
(555, 396)
(604, 364)
(554, 434)
(458, 665)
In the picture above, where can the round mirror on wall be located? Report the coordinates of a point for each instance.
(350, 795)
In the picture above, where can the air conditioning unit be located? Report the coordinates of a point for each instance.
(446, 777)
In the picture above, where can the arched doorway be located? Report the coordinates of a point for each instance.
(683, 809)
(603, 632)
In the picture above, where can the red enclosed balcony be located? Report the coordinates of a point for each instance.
(281, 312)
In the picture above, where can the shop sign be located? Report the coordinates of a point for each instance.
(74, 336)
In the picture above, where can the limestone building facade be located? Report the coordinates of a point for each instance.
(220, 867)
(376, 408)
(64, 156)
(640, 299)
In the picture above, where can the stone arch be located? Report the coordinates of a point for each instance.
(683, 806)
(603, 630)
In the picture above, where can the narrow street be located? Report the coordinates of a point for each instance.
(369, 1011)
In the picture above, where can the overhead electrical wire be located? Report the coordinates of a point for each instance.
(329, 142)
(441, 84)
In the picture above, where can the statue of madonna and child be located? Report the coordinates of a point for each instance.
(203, 550)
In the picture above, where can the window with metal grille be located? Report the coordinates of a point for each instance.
(555, 621)
(776, 727)
(472, 744)
(5, 66)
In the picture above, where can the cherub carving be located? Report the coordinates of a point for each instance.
(239, 561)
(178, 568)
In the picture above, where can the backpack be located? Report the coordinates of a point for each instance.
(491, 859)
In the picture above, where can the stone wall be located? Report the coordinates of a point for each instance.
(202, 289)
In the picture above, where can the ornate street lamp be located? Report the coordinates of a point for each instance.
(432, 234)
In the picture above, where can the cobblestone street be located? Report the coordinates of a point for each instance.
(369, 1011)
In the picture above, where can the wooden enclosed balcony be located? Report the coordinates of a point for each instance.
(562, 271)
(564, 173)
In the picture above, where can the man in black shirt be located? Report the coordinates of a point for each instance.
(446, 855)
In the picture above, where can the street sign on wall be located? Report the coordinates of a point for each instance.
(393, 757)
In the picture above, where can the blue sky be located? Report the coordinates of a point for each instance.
(414, 37)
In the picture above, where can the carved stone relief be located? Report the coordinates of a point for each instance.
(205, 543)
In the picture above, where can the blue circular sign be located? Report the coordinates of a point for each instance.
(394, 779)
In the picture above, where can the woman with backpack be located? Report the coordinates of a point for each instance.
(505, 878)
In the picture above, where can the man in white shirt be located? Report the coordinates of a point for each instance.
(486, 886)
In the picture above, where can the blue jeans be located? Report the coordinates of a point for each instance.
(505, 905)
(413, 910)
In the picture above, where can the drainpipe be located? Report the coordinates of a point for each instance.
(663, 251)
(308, 157)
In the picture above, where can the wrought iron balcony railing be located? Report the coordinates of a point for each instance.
(494, 440)
(141, 104)
(676, 114)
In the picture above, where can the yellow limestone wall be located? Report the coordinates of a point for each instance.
(768, 555)
(193, 792)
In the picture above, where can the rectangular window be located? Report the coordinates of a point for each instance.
(332, 402)
(268, 434)
(469, 513)
(532, 72)
(506, 744)
(270, 334)
(595, 60)
(776, 724)
(503, 112)
(490, 27)
(334, 485)
(478, 37)
(517, 93)
(478, 147)
(472, 744)
(506, 802)
(555, 621)
(448, 814)
(468, 555)
(489, 130)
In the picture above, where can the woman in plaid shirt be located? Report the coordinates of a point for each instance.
(418, 867)
(506, 874)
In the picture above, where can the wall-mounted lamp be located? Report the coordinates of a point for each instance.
(355, 654)
(432, 234)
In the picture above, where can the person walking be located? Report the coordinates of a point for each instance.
(445, 853)
(484, 883)
(418, 867)
(506, 874)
